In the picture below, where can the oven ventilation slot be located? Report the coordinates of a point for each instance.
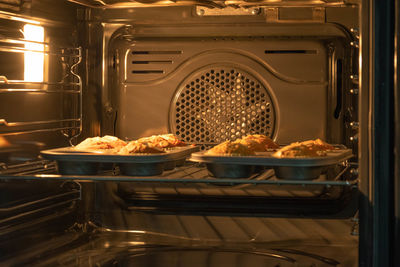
(147, 72)
(156, 52)
(290, 51)
(152, 64)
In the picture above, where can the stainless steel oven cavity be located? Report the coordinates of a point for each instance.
(207, 71)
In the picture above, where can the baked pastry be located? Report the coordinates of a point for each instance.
(230, 148)
(162, 141)
(258, 142)
(310, 148)
(173, 140)
(106, 143)
(135, 147)
(319, 143)
(4, 143)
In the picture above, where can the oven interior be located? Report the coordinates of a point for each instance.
(207, 71)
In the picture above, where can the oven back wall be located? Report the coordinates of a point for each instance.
(211, 89)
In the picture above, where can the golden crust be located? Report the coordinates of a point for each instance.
(310, 148)
(230, 148)
(4, 142)
(258, 142)
(134, 147)
(105, 143)
(320, 144)
(162, 141)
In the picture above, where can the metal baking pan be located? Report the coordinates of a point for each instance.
(285, 168)
(141, 168)
(180, 155)
(298, 173)
(73, 162)
(230, 170)
(182, 152)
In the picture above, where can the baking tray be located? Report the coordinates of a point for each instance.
(228, 166)
(77, 162)
(179, 156)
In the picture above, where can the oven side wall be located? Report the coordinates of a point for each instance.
(33, 214)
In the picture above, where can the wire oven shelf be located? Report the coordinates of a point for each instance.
(262, 194)
(70, 127)
(191, 173)
(211, 4)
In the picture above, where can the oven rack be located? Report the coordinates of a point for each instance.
(191, 173)
(71, 127)
(28, 168)
(211, 4)
(36, 210)
(16, 45)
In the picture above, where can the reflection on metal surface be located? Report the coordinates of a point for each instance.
(14, 124)
(322, 259)
(208, 3)
(15, 17)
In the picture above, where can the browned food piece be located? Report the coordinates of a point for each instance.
(319, 143)
(258, 142)
(162, 141)
(134, 147)
(105, 143)
(173, 140)
(310, 148)
(4, 143)
(230, 148)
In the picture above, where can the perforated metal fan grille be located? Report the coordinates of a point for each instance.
(221, 103)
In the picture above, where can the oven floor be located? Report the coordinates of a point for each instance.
(290, 242)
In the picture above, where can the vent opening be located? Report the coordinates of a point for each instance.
(290, 51)
(147, 72)
(152, 62)
(156, 52)
(221, 103)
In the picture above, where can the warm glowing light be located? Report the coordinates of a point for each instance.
(34, 61)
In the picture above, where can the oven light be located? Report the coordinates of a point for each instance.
(33, 60)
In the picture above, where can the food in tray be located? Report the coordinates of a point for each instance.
(319, 143)
(106, 143)
(309, 148)
(4, 143)
(258, 143)
(230, 148)
(162, 141)
(135, 147)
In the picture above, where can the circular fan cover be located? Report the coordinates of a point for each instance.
(221, 103)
